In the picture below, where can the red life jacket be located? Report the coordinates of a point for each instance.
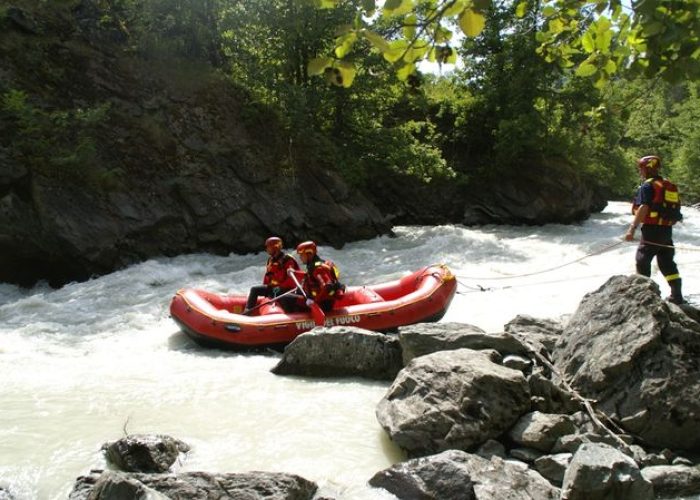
(322, 281)
(276, 271)
(665, 207)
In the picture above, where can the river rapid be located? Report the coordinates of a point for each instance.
(87, 363)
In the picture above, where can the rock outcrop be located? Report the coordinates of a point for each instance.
(455, 474)
(99, 485)
(179, 164)
(341, 351)
(144, 452)
(636, 355)
(452, 400)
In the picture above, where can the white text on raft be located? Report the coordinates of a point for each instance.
(339, 320)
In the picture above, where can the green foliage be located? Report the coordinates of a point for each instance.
(595, 38)
(58, 143)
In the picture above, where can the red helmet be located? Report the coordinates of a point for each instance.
(307, 247)
(273, 243)
(650, 162)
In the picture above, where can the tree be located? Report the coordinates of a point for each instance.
(596, 38)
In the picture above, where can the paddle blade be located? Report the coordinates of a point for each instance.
(318, 314)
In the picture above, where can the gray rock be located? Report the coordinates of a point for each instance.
(451, 399)
(341, 351)
(5, 494)
(491, 448)
(456, 475)
(637, 357)
(426, 338)
(197, 485)
(600, 472)
(544, 331)
(549, 397)
(673, 480)
(527, 455)
(120, 486)
(515, 362)
(553, 467)
(541, 430)
(569, 443)
(144, 453)
(682, 461)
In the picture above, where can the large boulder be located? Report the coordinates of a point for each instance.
(600, 472)
(425, 338)
(99, 485)
(454, 474)
(636, 355)
(452, 400)
(342, 351)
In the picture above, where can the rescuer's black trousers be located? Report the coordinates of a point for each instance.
(657, 241)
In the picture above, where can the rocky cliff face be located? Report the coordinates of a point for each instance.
(537, 195)
(182, 161)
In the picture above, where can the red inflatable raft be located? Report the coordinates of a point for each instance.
(214, 320)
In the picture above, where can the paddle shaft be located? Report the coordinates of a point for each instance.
(316, 311)
(274, 299)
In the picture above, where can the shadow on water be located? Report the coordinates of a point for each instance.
(179, 342)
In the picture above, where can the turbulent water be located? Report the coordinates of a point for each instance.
(89, 362)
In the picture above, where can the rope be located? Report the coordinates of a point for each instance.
(511, 276)
(594, 414)
(691, 249)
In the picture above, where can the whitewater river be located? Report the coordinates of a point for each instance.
(92, 361)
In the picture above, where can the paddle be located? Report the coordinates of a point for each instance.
(316, 311)
(274, 299)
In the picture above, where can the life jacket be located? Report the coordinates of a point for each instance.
(276, 271)
(324, 282)
(665, 207)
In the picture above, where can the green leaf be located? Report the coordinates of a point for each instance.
(442, 35)
(416, 52)
(318, 64)
(521, 9)
(397, 7)
(610, 67)
(586, 69)
(396, 50)
(549, 11)
(369, 5)
(454, 9)
(327, 4)
(472, 23)
(587, 42)
(405, 71)
(344, 44)
(347, 73)
(377, 40)
(409, 26)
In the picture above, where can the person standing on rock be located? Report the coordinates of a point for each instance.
(321, 283)
(276, 280)
(656, 207)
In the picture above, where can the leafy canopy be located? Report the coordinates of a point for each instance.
(594, 38)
